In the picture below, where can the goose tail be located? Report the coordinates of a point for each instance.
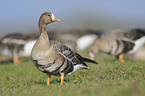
(86, 59)
(89, 60)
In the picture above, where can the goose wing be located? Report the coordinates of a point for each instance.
(68, 54)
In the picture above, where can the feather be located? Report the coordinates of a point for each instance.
(87, 60)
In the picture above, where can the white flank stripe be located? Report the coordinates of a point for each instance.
(16, 41)
(77, 67)
(138, 44)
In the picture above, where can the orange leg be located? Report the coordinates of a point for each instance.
(48, 80)
(121, 58)
(62, 78)
(91, 56)
(16, 60)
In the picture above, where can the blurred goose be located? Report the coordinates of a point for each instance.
(87, 39)
(17, 46)
(75, 39)
(139, 55)
(136, 36)
(54, 58)
(125, 43)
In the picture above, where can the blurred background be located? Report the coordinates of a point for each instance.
(78, 19)
(93, 16)
(22, 16)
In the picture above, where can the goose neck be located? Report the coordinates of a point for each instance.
(43, 34)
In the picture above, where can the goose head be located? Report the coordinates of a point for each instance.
(47, 18)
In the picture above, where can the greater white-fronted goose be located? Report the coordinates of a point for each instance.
(54, 58)
(125, 42)
(17, 45)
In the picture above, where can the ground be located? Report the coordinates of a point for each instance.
(108, 78)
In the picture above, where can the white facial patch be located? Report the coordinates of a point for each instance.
(52, 16)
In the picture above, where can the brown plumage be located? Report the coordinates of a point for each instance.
(119, 43)
(54, 58)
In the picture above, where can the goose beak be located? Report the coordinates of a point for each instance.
(55, 19)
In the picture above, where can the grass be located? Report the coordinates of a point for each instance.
(108, 78)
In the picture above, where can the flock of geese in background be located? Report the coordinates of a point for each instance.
(54, 58)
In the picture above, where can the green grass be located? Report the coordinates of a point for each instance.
(108, 78)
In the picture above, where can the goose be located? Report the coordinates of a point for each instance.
(136, 36)
(77, 40)
(125, 42)
(17, 45)
(139, 55)
(85, 42)
(54, 58)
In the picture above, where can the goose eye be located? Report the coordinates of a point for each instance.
(48, 15)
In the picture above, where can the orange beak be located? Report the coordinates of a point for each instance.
(55, 19)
